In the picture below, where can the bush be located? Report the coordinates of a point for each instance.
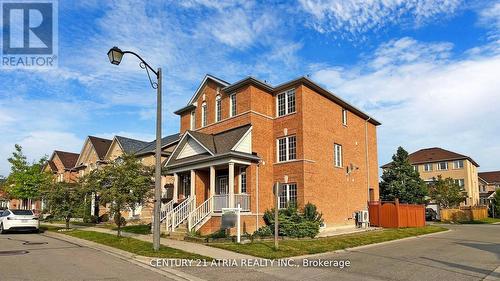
(293, 223)
(90, 219)
(218, 234)
(263, 231)
(104, 218)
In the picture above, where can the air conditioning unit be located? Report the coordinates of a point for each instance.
(363, 217)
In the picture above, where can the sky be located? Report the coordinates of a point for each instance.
(429, 71)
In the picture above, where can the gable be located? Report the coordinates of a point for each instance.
(114, 151)
(191, 148)
(88, 154)
(245, 143)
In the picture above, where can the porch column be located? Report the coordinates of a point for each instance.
(193, 174)
(176, 187)
(231, 185)
(212, 180)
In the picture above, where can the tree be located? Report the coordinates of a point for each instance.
(25, 180)
(122, 184)
(401, 181)
(63, 200)
(495, 204)
(446, 192)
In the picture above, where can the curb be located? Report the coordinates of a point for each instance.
(141, 261)
(494, 275)
(368, 245)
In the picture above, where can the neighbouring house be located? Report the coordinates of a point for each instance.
(91, 157)
(435, 161)
(60, 164)
(4, 200)
(145, 151)
(489, 182)
(239, 139)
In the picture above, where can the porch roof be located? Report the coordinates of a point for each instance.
(206, 158)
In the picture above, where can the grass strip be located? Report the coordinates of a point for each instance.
(298, 247)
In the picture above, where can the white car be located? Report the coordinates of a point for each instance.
(24, 220)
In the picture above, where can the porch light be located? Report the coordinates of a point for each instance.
(115, 55)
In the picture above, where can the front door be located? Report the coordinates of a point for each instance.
(222, 185)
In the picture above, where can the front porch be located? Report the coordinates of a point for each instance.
(226, 184)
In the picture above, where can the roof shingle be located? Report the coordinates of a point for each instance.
(101, 146)
(435, 154)
(490, 177)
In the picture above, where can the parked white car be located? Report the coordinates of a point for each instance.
(23, 220)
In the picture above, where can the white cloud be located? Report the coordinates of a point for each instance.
(426, 99)
(354, 17)
(489, 17)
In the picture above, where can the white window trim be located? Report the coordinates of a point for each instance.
(231, 114)
(439, 166)
(455, 166)
(192, 120)
(204, 122)
(287, 149)
(425, 167)
(218, 105)
(286, 102)
(243, 170)
(344, 116)
(335, 146)
(286, 186)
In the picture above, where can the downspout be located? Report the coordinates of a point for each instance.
(257, 196)
(367, 163)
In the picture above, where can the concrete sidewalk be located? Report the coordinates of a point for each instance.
(189, 247)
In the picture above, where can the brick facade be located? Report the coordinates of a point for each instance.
(317, 125)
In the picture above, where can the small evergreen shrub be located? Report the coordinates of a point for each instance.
(293, 223)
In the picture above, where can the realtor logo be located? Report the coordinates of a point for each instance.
(29, 34)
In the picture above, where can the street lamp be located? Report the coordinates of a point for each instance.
(115, 56)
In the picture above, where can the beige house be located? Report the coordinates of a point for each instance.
(145, 151)
(489, 182)
(432, 162)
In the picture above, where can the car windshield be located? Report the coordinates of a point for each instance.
(22, 212)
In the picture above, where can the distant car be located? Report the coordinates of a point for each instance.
(430, 214)
(22, 220)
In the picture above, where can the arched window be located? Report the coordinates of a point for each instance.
(203, 114)
(218, 113)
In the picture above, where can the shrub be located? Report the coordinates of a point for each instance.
(219, 234)
(263, 231)
(104, 218)
(90, 219)
(293, 223)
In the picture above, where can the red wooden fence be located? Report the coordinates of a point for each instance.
(394, 214)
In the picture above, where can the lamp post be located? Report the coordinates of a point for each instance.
(115, 56)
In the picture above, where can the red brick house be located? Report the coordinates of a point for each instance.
(239, 139)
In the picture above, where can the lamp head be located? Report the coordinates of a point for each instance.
(115, 55)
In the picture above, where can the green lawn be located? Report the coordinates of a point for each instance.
(137, 229)
(482, 221)
(290, 248)
(131, 245)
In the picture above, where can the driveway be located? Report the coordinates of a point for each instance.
(467, 252)
(52, 259)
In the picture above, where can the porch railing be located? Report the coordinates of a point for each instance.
(244, 201)
(165, 209)
(222, 201)
(180, 213)
(199, 214)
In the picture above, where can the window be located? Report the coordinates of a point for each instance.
(232, 104)
(442, 166)
(60, 177)
(288, 195)
(204, 114)
(428, 167)
(344, 117)
(243, 180)
(460, 182)
(459, 164)
(193, 120)
(337, 150)
(287, 148)
(415, 168)
(218, 115)
(285, 102)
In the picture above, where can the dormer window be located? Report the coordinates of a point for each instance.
(285, 103)
(203, 114)
(232, 105)
(218, 112)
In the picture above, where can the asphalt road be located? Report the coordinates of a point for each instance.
(467, 252)
(55, 259)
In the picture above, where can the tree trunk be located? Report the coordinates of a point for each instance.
(119, 224)
(67, 222)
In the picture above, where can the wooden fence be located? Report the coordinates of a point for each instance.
(466, 213)
(394, 215)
